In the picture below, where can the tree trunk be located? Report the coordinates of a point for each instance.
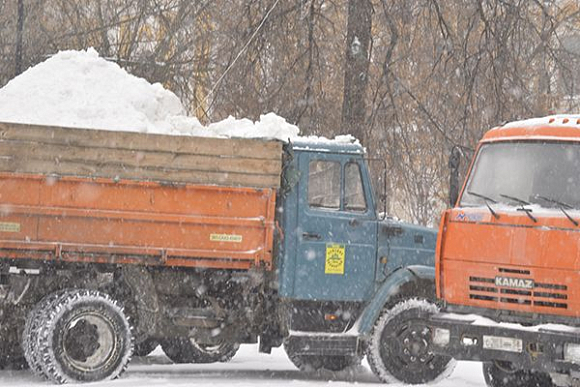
(19, 33)
(358, 40)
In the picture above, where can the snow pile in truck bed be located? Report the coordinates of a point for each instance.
(80, 89)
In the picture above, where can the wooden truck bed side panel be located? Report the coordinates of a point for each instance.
(124, 155)
(116, 197)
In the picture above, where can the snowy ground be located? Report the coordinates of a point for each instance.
(247, 368)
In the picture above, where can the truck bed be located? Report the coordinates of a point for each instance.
(77, 195)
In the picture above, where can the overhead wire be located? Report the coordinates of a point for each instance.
(254, 34)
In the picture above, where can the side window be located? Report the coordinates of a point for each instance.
(324, 184)
(354, 197)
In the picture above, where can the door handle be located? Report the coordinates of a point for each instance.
(354, 222)
(311, 236)
(392, 231)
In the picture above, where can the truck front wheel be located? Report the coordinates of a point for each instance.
(502, 374)
(398, 350)
(83, 336)
(187, 350)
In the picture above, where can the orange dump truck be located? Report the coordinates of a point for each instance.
(84, 214)
(508, 257)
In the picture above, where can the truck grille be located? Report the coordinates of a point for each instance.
(539, 294)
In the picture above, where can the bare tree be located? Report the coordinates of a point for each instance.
(418, 77)
(358, 39)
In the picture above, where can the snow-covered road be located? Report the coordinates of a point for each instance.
(247, 368)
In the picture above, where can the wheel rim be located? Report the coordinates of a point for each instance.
(89, 341)
(409, 344)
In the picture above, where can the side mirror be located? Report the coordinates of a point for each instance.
(454, 162)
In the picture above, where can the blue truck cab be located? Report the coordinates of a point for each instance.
(343, 266)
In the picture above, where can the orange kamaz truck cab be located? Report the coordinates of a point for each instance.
(508, 257)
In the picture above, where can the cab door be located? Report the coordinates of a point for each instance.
(337, 229)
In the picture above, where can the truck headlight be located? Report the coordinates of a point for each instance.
(441, 337)
(572, 352)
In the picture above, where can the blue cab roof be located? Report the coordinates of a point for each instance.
(328, 146)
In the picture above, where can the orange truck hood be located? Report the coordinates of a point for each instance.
(510, 263)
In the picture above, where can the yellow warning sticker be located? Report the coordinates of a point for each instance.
(9, 227)
(334, 259)
(225, 238)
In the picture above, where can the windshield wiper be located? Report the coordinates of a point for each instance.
(486, 199)
(522, 203)
(562, 206)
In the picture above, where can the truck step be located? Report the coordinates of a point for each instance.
(336, 345)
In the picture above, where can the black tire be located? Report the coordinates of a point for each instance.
(185, 350)
(84, 337)
(398, 347)
(313, 363)
(30, 334)
(502, 374)
(145, 347)
(11, 354)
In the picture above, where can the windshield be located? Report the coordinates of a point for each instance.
(543, 173)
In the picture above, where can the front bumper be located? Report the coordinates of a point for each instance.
(474, 338)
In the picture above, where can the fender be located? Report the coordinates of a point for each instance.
(389, 289)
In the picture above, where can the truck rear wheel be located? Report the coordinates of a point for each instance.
(33, 323)
(502, 374)
(309, 363)
(186, 350)
(145, 347)
(11, 354)
(398, 350)
(84, 336)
